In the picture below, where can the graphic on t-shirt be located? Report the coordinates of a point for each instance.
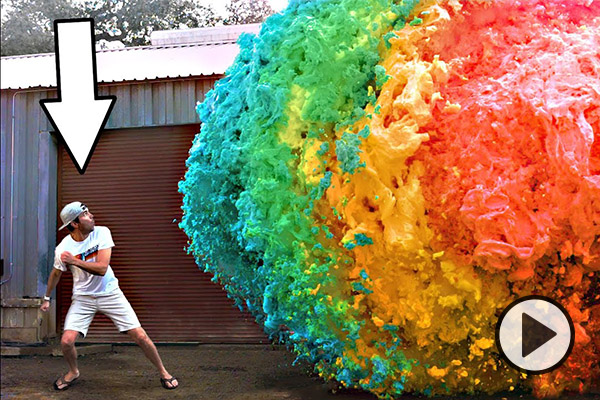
(88, 254)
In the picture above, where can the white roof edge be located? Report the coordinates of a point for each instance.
(123, 65)
(124, 49)
(202, 35)
(204, 52)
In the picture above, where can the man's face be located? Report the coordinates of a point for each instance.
(86, 222)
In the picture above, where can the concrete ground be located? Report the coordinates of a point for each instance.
(232, 372)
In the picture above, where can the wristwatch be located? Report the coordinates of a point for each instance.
(46, 298)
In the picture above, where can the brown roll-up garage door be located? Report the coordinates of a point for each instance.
(131, 187)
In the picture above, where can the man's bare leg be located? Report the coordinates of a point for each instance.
(67, 344)
(141, 338)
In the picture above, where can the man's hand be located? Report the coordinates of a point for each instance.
(97, 267)
(45, 306)
(67, 258)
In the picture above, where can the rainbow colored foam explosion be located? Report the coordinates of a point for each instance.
(376, 180)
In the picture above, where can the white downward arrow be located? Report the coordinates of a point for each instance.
(78, 114)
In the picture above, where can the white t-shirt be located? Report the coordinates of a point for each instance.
(87, 250)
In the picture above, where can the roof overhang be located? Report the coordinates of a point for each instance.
(126, 64)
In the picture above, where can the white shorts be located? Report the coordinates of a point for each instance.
(115, 306)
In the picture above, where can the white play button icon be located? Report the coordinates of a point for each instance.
(535, 334)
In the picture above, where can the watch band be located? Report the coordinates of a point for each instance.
(47, 298)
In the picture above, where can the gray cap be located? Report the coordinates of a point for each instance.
(70, 212)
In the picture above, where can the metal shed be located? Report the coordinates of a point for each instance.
(157, 88)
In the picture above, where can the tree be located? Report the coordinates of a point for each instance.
(133, 21)
(247, 11)
(28, 25)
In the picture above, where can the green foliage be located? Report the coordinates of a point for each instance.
(28, 25)
(247, 11)
(133, 21)
(27, 28)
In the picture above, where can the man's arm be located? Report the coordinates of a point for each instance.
(97, 267)
(52, 282)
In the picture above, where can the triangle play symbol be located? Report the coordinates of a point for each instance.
(535, 334)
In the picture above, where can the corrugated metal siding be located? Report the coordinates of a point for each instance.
(5, 110)
(139, 104)
(156, 103)
(31, 152)
(131, 187)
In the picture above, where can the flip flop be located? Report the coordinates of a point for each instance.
(170, 380)
(62, 380)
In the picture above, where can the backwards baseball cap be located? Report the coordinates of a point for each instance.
(70, 212)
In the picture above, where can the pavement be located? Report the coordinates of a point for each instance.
(232, 372)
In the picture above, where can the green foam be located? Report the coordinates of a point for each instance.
(248, 210)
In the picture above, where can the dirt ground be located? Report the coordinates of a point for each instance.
(231, 372)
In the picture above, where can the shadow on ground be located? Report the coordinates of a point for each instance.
(207, 372)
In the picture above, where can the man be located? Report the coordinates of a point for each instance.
(86, 251)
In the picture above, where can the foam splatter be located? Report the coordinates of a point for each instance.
(376, 180)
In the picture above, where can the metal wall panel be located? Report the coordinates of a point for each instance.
(29, 197)
(131, 186)
(47, 167)
(139, 104)
(28, 225)
(5, 127)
